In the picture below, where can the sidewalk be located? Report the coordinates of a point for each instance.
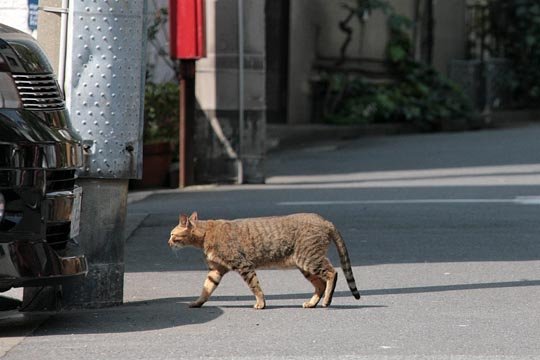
(281, 136)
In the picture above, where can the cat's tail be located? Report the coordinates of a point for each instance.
(345, 262)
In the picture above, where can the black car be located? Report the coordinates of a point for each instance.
(40, 154)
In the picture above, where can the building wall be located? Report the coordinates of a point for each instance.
(450, 33)
(14, 13)
(217, 130)
(49, 34)
(315, 33)
(304, 27)
(367, 44)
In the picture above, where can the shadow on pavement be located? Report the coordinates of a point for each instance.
(485, 166)
(16, 324)
(457, 287)
(374, 233)
(299, 306)
(130, 317)
(364, 293)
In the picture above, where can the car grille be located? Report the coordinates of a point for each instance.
(60, 180)
(39, 91)
(58, 233)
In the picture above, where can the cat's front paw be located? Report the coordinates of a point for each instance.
(308, 305)
(259, 306)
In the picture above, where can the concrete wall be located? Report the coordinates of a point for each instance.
(315, 32)
(48, 36)
(304, 29)
(450, 33)
(368, 44)
(217, 132)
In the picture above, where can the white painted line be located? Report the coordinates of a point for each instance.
(503, 171)
(521, 200)
(528, 200)
(505, 175)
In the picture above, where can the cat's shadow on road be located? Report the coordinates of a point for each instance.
(299, 306)
(365, 293)
(275, 301)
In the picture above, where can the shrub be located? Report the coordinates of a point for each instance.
(161, 103)
(417, 93)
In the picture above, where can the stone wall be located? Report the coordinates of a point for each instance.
(314, 32)
(218, 147)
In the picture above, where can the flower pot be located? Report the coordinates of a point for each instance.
(157, 158)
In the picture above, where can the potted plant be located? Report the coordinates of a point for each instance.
(160, 134)
(161, 101)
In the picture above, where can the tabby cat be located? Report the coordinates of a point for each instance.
(243, 245)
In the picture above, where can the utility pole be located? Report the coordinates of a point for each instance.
(187, 120)
(187, 44)
(102, 54)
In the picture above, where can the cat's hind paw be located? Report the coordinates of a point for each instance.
(195, 304)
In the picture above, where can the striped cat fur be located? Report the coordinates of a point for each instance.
(243, 245)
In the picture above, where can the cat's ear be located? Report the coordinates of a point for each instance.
(183, 220)
(194, 217)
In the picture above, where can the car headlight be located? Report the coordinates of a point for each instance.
(2, 207)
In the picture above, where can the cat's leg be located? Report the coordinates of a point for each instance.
(210, 284)
(250, 277)
(330, 275)
(319, 285)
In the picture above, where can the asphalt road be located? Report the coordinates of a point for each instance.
(442, 231)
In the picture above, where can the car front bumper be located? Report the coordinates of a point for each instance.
(36, 264)
(39, 157)
(40, 257)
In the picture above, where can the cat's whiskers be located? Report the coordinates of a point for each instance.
(176, 250)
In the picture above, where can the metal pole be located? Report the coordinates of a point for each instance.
(241, 106)
(104, 98)
(63, 45)
(187, 121)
